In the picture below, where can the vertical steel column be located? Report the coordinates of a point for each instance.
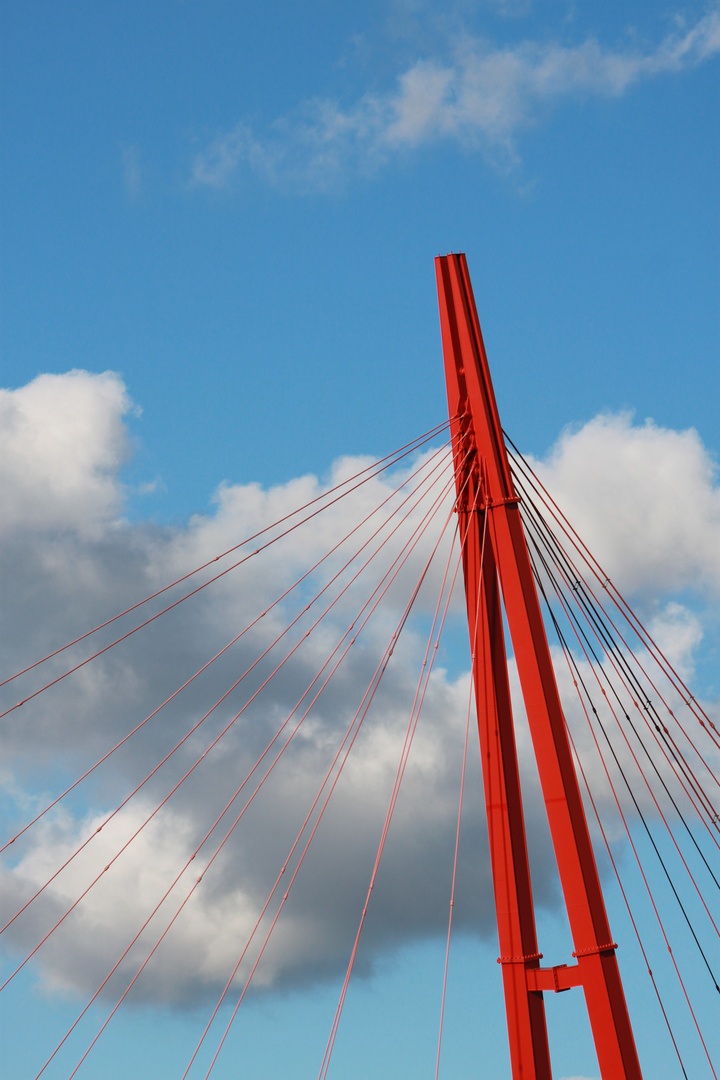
(476, 427)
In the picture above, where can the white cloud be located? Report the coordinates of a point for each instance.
(645, 497)
(678, 633)
(480, 97)
(219, 163)
(67, 561)
(62, 441)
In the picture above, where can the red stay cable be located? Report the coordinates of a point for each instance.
(193, 592)
(417, 533)
(375, 682)
(238, 818)
(200, 759)
(194, 886)
(452, 889)
(234, 641)
(267, 936)
(412, 726)
(390, 459)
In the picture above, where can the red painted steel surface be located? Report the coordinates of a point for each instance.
(485, 490)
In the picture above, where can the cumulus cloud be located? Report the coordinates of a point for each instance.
(68, 560)
(479, 97)
(646, 497)
(62, 441)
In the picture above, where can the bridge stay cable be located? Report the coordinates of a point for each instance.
(416, 494)
(581, 688)
(618, 601)
(369, 473)
(414, 476)
(623, 891)
(412, 725)
(590, 603)
(347, 743)
(409, 545)
(660, 734)
(602, 676)
(423, 680)
(569, 591)
(369, 695)
(377, 595)
(171, 607)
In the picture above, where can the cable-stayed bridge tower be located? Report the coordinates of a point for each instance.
(496, 564)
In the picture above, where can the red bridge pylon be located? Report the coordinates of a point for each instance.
(496, 564)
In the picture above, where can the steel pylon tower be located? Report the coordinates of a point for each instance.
(496, 566)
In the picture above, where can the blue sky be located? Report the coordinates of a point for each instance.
(236, 208)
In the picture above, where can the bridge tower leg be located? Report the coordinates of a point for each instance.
(491, 528)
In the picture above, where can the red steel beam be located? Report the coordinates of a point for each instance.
(485, 490)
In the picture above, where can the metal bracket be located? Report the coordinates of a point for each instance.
(558, 978)
(594, 950)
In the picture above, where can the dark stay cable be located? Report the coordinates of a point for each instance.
(613, 863)
(568, 656)
(600, 666)
(661, 732)
(635, 802)
(618, 600)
